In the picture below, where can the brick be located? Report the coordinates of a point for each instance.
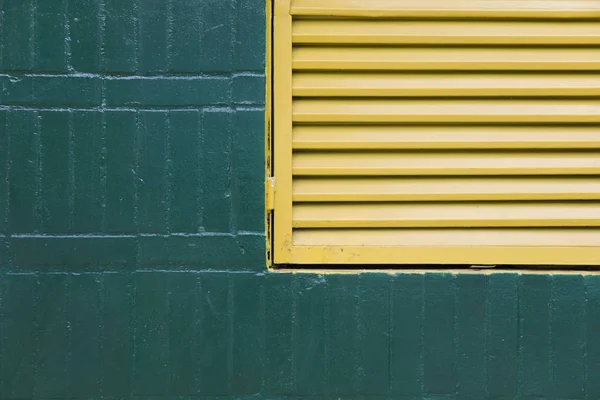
(278, 367)
(183, 325)
(74, 253)
(85, 318)
(249, 89)
(439, 375)
(154, 27)
(470, 336)
(120, 131)
(216, 36)
(50, 36)
(502, 335)
(52, 336)
(186, 47)
(216, 163)
(534, 342)
(250, 36)
(18, 335)
(4, 171)
(185, 214)
(249, 159)
(373, 335)
(88, 172)
(55, 210)
(592, 327)
(406, 335)
(567, 336)
(151, 333)
(17, 32)
(342, 336)
(85, 32)
(52, 91)
(216, 325)
(167, 92)
(117, 334)
(247, 334)
(153, 141)
(309, 335)
(198, 252)
(121, 39)
(23, 131)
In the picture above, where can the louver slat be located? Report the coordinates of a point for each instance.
(450, 132)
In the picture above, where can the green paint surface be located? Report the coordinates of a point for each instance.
(132, 246)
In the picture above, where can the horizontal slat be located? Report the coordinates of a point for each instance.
(451, 163)
(449, 111)
(330, 31)
(449, 9)
(446, 58)
(448, 189)
(444, 85)
(448, 237)
(445, 137)
(407, 215)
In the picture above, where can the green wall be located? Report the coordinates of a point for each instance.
(132, 238)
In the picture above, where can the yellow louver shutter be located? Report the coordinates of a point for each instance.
(437, 132)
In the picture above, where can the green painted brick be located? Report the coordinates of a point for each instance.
(534, 336)
(502, 335)
(4, 170)
(52, 335)
(203, 251)
(567, 336)
(247, 336)
(88, 172)
(152, 146)
(55, 188)
(72, 253)
(17, 34)
(470, 348)
(592, 327)
(309, 347)
(249, 89)
(216, 165)
(51, 91)
(342, 335)
(121, 36)
(117, 338)
(166, 92)
(186, 46)
(439, 374)
(85, 333)
(154, 28)
(184, 327)
(50, 36)
(185, 184)
(248, 160)
(23, 130)
(18, 337)
(216, 35)
(120, 132)
(151, 333)
(215, 334)
(250, 35)
(85, 29)
(278, 369)
(406, 332)
(373, 341)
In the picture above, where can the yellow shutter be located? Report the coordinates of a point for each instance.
(437, 132)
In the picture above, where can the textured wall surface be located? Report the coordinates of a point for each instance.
(132, 240)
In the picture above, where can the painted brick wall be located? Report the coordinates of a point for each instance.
(132, 239)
